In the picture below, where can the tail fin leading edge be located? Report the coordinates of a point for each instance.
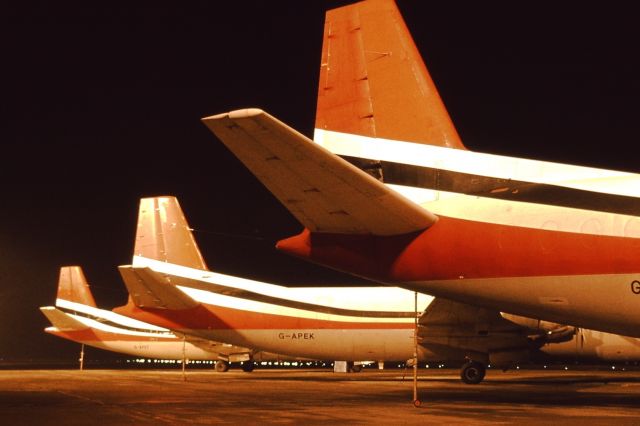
(163, 234)
(373, 81)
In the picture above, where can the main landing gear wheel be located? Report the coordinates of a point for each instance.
(222, 366)
(472, 372)
(353, 368)
(248, 366)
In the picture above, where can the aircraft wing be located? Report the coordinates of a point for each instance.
(148, 289)
(224, 351)
(324, 192)
(61, 320)
(468, 327)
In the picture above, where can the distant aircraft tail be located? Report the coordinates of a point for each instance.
(373, 81)
(73, 286)
(163, 234)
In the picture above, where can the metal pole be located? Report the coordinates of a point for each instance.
(81, 357)
(416, 401)
(184, 358)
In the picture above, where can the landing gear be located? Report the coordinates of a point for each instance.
(472, 372)
(353, 368)
(222, 366)
(248, 366)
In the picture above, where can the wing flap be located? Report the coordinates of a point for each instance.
(324, 192)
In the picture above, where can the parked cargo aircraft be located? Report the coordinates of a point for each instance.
(533, 238)
(171, 286)
(76, 317)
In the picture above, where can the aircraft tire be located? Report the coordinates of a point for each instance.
(355, 368)
(248, 366)
(472, 372)
(221, 366)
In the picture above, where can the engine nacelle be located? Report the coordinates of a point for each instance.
(543, 331)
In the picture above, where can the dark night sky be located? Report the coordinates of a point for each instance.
(101, 105)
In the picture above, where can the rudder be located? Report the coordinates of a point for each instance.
(73, 286)
(373, 81)
(163, 234)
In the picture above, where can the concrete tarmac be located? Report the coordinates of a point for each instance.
(140, 397)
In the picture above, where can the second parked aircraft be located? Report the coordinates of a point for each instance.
(170, 286)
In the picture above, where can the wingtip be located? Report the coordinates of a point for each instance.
(246, 113)
(158, 197)
(237, 114)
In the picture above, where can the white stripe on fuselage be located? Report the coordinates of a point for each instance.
(216, 299)
(108, 315)
(491, 210)
(97, 325)
(490, 165)
(523, 214)
(364, 299)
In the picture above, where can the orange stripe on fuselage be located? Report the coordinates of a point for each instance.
(454, 248)
(94, 335)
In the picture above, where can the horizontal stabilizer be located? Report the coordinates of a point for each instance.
(149, 289)
(324, 192)
(61, 320)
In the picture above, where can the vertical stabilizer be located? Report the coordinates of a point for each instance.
(373, 81)
(164, 235)
(73, 286)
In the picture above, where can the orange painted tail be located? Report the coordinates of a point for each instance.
(373, 81)
(163, 234)
(73, 286)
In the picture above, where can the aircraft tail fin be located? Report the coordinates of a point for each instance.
(373, 81)
(73, 286)
(163, 234)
